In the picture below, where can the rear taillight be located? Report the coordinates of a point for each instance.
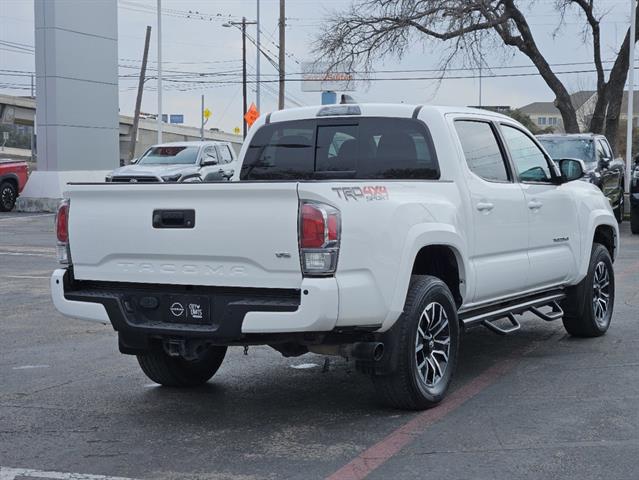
(319, 237)
(62, 232)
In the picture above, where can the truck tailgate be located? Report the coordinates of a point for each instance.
(244, 234)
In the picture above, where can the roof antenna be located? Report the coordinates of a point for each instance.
(346, 99)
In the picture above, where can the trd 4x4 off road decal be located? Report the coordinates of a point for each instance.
(368, 193)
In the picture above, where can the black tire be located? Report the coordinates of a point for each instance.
(634, 220)
(583, 308)
(8, 195)
(619, 210)
(178, 372)
(410, 387)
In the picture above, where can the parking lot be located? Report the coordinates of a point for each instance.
(536, 404)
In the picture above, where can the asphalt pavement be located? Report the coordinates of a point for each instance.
(537, 404)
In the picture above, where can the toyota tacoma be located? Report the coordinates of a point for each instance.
(374, 232)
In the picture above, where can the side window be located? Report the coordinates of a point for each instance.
(209, 153)
(481, 149)
(225, 153)
(530, 162)
(337, 148)
(605, 149)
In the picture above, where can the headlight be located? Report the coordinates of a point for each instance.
(172, 178)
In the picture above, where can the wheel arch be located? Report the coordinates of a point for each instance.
(606, 235)
(421, 255)
(11, 178)
(441, 261)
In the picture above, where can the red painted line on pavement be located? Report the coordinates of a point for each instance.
(373, 457)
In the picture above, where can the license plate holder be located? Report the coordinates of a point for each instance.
(190, 309)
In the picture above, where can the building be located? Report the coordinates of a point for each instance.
(546, 115)
(19, 113)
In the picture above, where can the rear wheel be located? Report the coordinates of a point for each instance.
(8, 195)
(427, 347)
(178, 372)
(589, 305)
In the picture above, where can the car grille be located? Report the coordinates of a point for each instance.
(134, 179)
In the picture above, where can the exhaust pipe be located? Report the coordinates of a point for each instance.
(368, 351)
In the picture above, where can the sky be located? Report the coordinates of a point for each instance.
(200, 44)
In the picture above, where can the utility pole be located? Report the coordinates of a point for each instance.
(242, 25)
(159, 71)
(33, 129)
(202, 119)
(243, 76)
(631, 91)
(257, 59)
(282, 58)
(138, 100)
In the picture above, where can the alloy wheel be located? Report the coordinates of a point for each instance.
(7, 197)
(432, 344)
(601, 293)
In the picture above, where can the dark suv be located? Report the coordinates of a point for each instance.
(634, 197)
(601, 168)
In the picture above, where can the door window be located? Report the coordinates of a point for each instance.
(225, 153)
(208, 154)
(481, 149)
(604, 150)
(530, 162)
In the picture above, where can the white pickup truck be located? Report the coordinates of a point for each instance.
(375, 232)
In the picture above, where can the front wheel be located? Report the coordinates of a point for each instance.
(634, 220)
(589, 305)
(427, 347)
(178, 372)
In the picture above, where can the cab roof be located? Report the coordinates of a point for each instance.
(392, 110)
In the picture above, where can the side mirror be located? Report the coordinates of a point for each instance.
(571, 169)
(604, 162)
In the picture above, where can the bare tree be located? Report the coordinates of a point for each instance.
(372, 29)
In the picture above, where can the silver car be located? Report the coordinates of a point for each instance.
(180, 162)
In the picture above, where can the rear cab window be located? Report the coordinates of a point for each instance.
(342, 148)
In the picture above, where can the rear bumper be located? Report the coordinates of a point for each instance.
(235, 312)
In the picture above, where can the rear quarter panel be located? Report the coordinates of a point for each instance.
(384, 224)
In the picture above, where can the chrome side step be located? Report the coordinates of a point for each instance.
(487, 316)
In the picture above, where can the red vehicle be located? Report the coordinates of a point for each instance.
(13, 178)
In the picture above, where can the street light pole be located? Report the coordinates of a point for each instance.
(202, 119)
(159, 119)
(631, 91)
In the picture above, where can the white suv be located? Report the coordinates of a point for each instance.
(179, 162)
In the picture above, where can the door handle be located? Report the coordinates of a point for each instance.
(485, 206)
(535, 204)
